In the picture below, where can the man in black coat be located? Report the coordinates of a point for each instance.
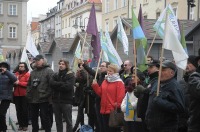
(194, 92)
(62, 84)
(163, 110)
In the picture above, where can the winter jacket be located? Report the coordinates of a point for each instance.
(7, 80)
(20, 89)
(63, 87)
(194, 109)
(110, 93)
(163, 110)
(39, 93)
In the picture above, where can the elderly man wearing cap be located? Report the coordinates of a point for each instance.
(143, 93)
(7, 80)
(162, 111)
(194, 93)
(39, 92)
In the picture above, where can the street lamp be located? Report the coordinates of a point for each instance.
(81, 24)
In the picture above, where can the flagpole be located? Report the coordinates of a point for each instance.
(161, 60)
(134, 50)
(160, 69)
(151, 44)
(98, 64)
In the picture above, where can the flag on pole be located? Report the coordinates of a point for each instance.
(78, 50)
(30, 46)
(93, 30)
(121, 35)
(52, 65)
(141, 45)
(24, 58)
(171, 42)
(183, 39)
(136, 28)
(159, 26)
(111, 51)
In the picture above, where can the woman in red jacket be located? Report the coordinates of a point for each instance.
(20, 101)
(112, 92)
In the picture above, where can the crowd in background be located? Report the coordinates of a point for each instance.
(44, 93)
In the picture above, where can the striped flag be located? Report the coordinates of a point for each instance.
(121, 35)
(137, 31)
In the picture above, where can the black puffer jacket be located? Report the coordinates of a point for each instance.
(62, 84)
(163, 110)
(194, 109)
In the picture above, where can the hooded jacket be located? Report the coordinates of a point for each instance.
(41, 92)
(7, 80)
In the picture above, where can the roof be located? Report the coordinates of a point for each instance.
(192, 29)
(95, 1)
(64, 43)
(45, 46)
(148, 27)
(34, 26)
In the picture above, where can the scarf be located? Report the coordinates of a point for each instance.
(113, 78)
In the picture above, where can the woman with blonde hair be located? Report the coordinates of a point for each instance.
(112, 92)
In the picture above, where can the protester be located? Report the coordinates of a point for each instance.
(7, 80)
(126, 75)
(39, 93)
(100, 78)
(62, 83)
(19, 94)
(143, 93)
(191, 68)
(129, 105)
(194, 94)
(112, 92)
(163, 110)
(81, 83)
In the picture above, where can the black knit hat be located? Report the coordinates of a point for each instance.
(193, 60)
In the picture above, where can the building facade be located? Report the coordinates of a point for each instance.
(13, 18)
(151, 9)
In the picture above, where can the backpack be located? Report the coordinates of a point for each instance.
(86, 128)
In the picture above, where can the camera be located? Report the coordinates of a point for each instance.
(36, 82)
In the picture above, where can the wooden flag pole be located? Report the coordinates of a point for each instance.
(98, 65)
(160, 70)
(83, 45)
(135, 62)
(151, 44)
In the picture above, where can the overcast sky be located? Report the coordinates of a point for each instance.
(36, 7)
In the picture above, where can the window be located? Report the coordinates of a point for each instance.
(107, 6)
(69, 22)
(12, 9)
(145, 16)
(123, 3)
(116, 5)
(12, 30)
(114, 22)
(157, 15)
(175, 11)
(1, 8)
(191, 14)
(65, 23)
(107, 26)
(134, 3)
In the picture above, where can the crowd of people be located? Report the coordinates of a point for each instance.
(150, 103)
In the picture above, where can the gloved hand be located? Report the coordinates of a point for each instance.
(139, 89)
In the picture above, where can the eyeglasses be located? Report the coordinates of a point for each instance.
(102, 66)
(21, 66)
